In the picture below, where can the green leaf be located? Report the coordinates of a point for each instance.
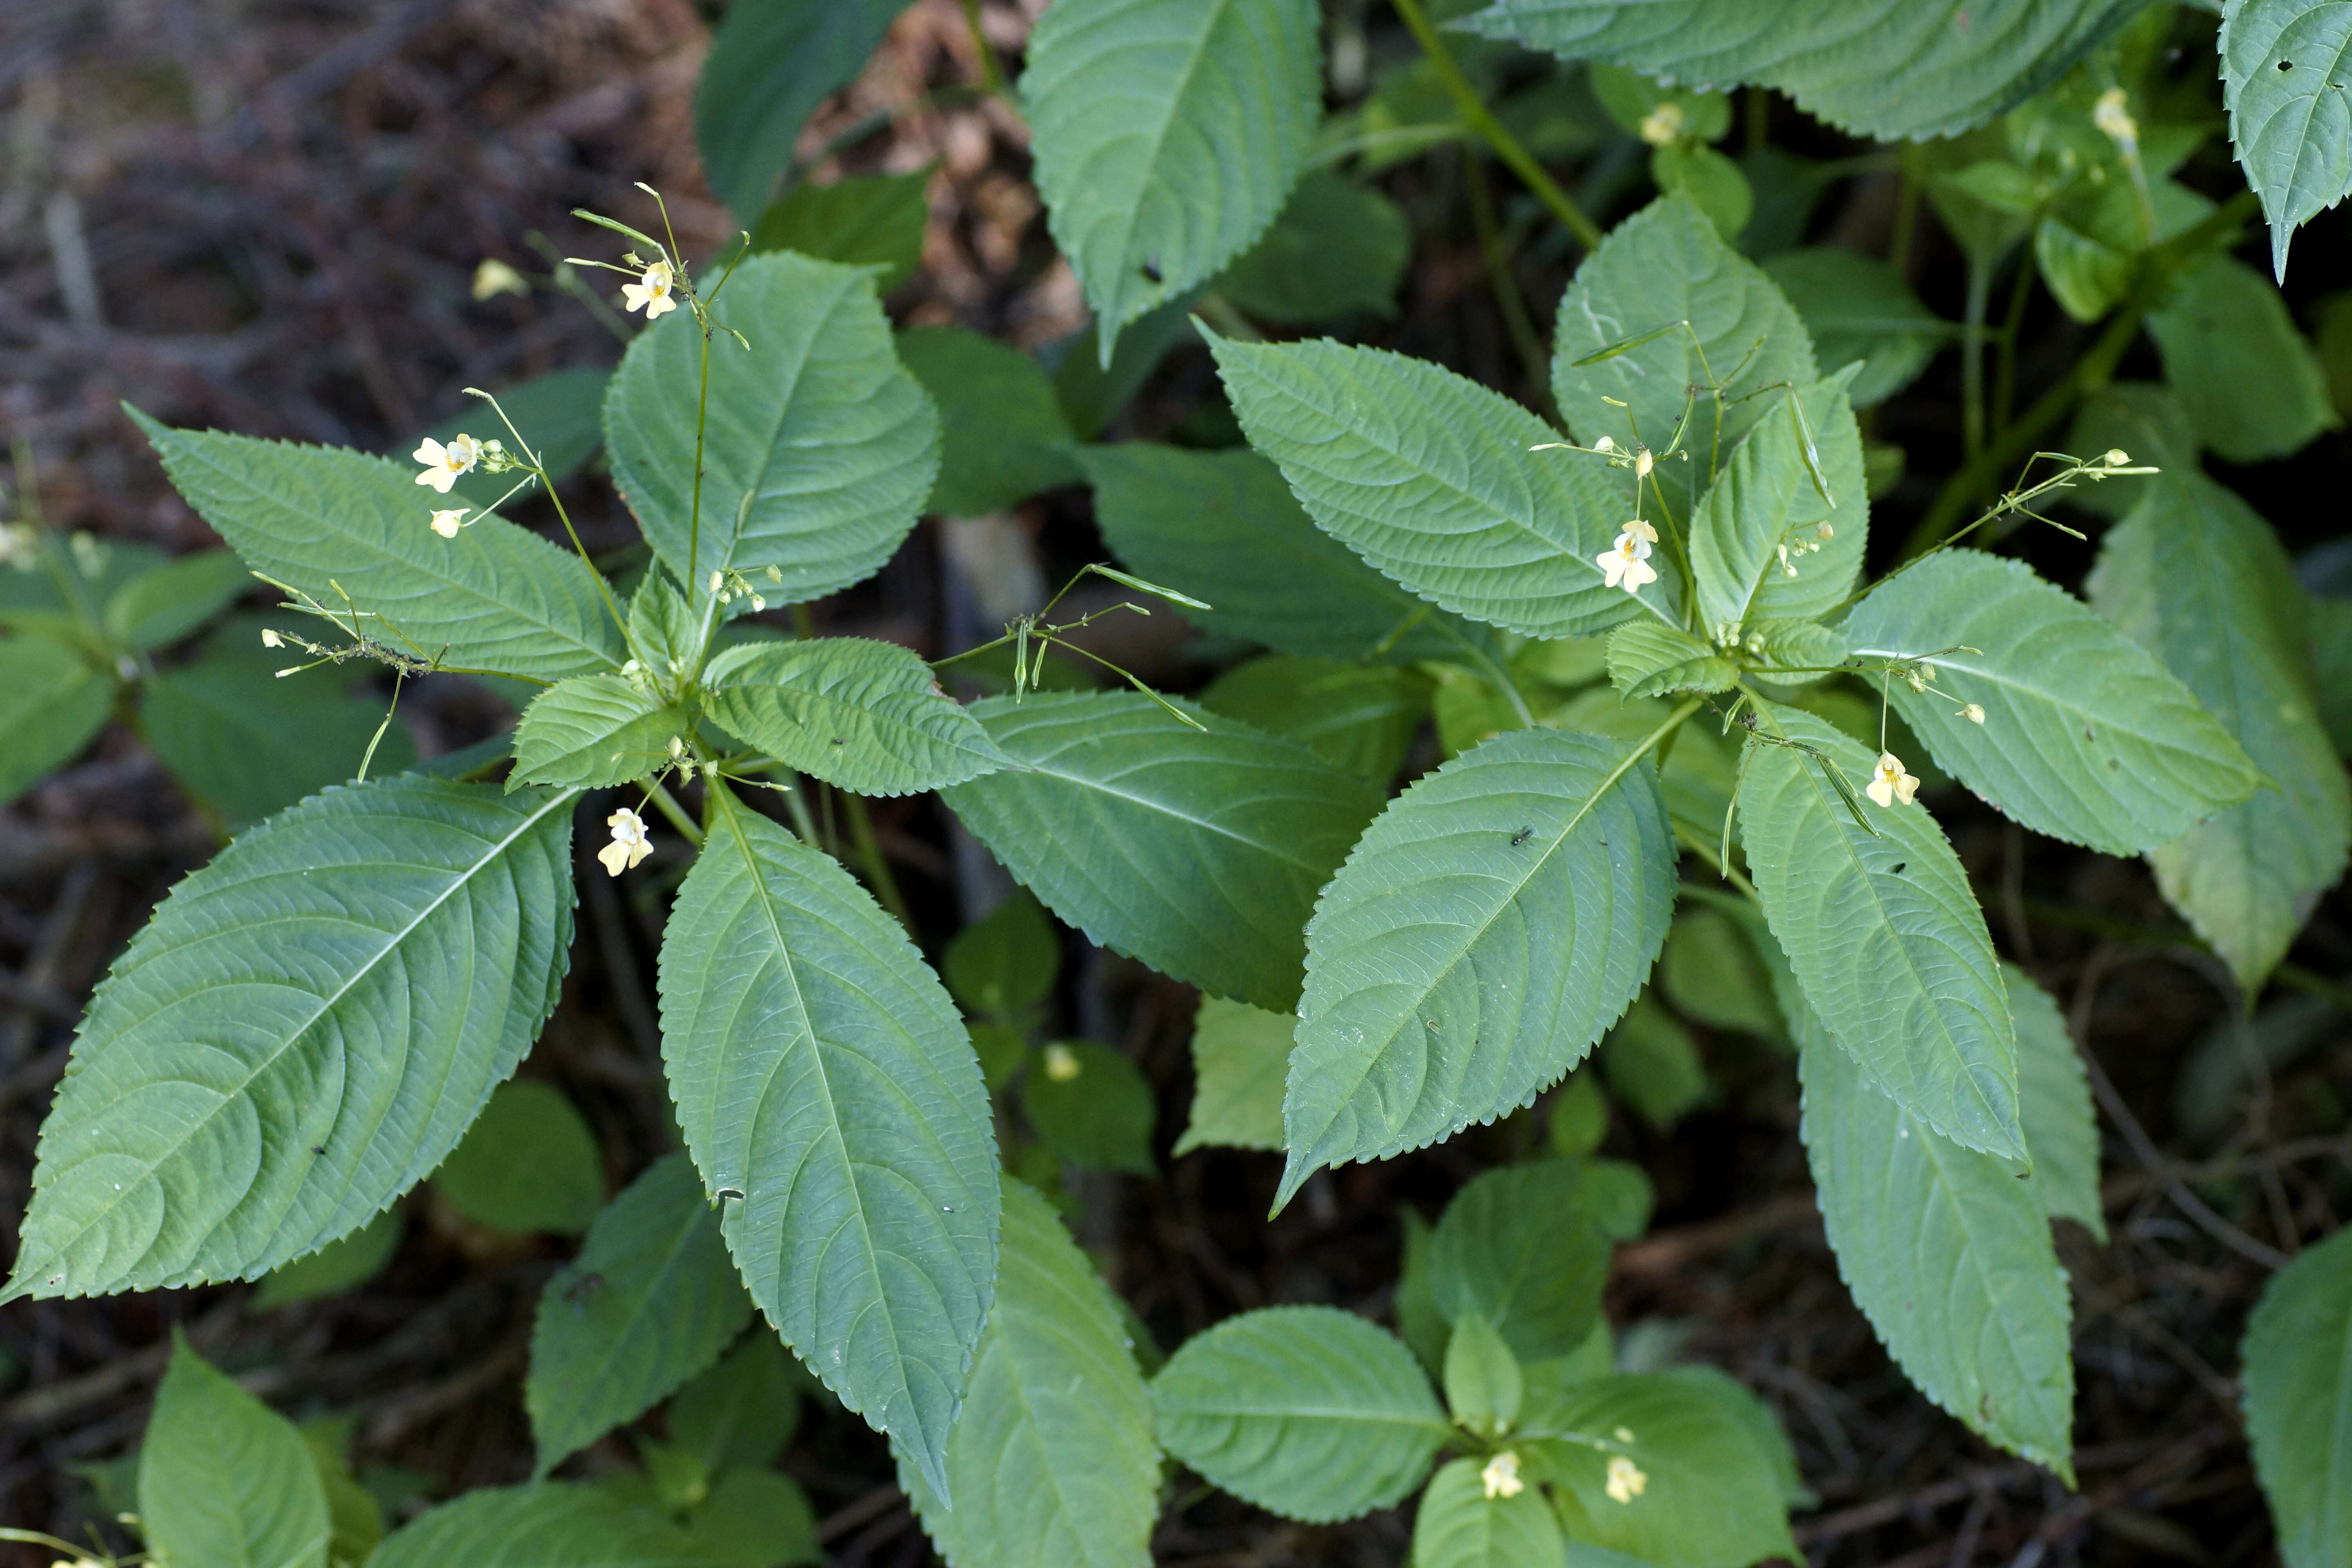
(1664, 1467)
(1947, 1253)
(1619, 1197)
(1648, 658)
(594, 729)
(51, 702)
(2193, 575)
(770, 66)
(1580, 1113)
(1197, 851)
(301, 1033)
(495, 598)
(1093, 393)
(223, 1481)
(876, 221)
(2088, 277)
(1428, 477)
(1877, 68)
(1311, 1413)
(335, 1268)
(1632, 99)
(1459, 1526)
(1517, 1247)
(1092, 1106)
(2331, 666)
(1493, 921)
(1757, 548)
(1482, 1377)
(2249, 379)
(1713, 182)
(1166, 136)
(1857, 307)
(1714, 970)
(1007, 959)
(1240, 1054)
(2297, 1350)
(1338, 248)
(560, 417)
(830, 1097)
(2054, 1104)
(2282, 70)
(755, 1519)
(355, 1516)
(529, 1163)
(1361, 719)
(2086, 737)
(163, 605)
(819, 449)
(1003, 432)
(548, 1524)
(1653, 1065)
(1668, 264)
(2145, 420)
(1223, 527)
(651, 1301)
(742, 1411)
(861, 715)
(1052, 1459)
(667, 635)
(1884, 935)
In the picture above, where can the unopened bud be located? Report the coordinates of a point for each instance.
(1643, 463)
(1662, 126)
(1604, 444)
(2116, 457)
(271, 639)
(718, 580)
(1973, 713)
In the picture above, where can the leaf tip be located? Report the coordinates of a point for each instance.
(1295, 1172)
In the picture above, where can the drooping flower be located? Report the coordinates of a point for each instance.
(271, 639)
(652, 292)
(1626, 1480)
(630, 842)
(1623, 564)
(448, 523)
(1501, 1476)
(1646, 533)
(1643, 462)
(1889, 783)
(1603, 444)
(445, 465)
(1973, 713)
(494, 277)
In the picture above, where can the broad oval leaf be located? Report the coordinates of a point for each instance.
(833, 1104)
(530, 1162)
(1240, 1055)
(223, 1479)
(1224, 528)
(819, 447)
(1758, 546)
(862, 715)
(1947, 1253)
(1495, 919)
(1197, 851)
(2250, 382)
(769, 66)
(1458, 1525)
(1339, 248)
(651, 1301)
(2054, 1106)
(1884, 935)
(1309, 1412)
(166, 604)
(1429, 477)
(1168, 134)
(2197, 578)
(334, 1267)
(548, 1524)
(873, 221)
(2283, 67)
(1052, 1458)
(495, 598)
(741, 1413)
(2085, 736)
(1882, 68)
(1004, 437)
(1359, 718)
(303, 1031)
(592, 729)
(1857, 307)
(52, 701)
(2297, 1376)
(1518, 1247)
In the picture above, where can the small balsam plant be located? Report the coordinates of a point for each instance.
(1641, 627)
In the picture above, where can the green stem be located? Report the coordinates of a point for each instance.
(1973, 348)
(991, 75)
(1509, 299)
(2004, 383)
(694, 524)
(603, 588)
(680, 817)
(1487, 128)
(876, 865)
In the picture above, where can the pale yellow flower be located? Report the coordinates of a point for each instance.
(1623, 564)
(1643, 462)
(1626, 1480)
(1501, 1476)
(1888, 782)
(1662, 126)
(652, 292)
(448, 523)
(1973, 713)
(1644, 532)
(1604, 444)
(1061, 1063)
(494, 277)
(630, 843)
(2110, 116)
(445, 465)
(271, 639)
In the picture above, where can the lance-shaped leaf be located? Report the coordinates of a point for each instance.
(832, 1101)
(1429, 476)
(223, 1480)
(2196, 577)
(1664, 265)
(303, 1031)
(2284, 65)
(1495, 919)
(1052, 1459)
(52, 701)
(770, 66)
(1458, 1525)
(2298, 1379)
(592, 729)
(2055, 1105)
(2085, 736)
(1756, 545)
(1168, 134)
(495, 598)
(1223, 527)
(1309, 1412)
(1883, 933)
(548, 1524)
(1947, 1253)
(862, 715)
(651, 1301)
(1198, 851)
(1884, 68)
(819, 447)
